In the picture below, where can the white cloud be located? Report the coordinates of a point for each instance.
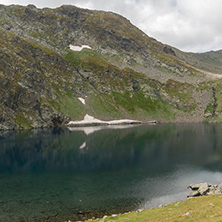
(186, 24)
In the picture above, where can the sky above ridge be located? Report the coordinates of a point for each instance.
(190, 25)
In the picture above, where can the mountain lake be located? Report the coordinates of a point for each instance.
(74, 174)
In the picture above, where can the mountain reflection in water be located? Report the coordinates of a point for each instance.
(54, 174)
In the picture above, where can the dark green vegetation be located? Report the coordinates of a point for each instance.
(126, 74)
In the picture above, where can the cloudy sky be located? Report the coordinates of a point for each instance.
(190, 25)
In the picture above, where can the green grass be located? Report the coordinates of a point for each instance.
(73, 58)
(140, 106)
(86, 59)
(103, 107)
(22, 121)
(202, 209)
(69, 105)
(122, 100)
(209, 109)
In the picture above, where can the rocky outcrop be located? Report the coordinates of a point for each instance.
(214, 101)
(203, 189)
(169, 50)
(33, 80)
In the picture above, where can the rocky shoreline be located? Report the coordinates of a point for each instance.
(203, 189)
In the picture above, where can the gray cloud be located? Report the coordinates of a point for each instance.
(186, 24)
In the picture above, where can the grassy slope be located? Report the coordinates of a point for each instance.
(208, 61)
(29, 85)
(202, 209)
(111, 92)
(129, 93)
(108, 33)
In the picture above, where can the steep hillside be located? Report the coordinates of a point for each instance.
(35, 83)
(107, 33)
(126, 74)
(208, 61)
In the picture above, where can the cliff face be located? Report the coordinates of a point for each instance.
(125, 74)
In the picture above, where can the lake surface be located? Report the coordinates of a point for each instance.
(60, 175)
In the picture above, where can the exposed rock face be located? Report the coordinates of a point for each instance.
(204, 189)
(107, 33)
(125, 74)
(29, 76)
(169, 50)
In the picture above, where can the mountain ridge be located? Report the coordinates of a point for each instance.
(125, 74)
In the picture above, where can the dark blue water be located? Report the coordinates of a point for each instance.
(61, 175)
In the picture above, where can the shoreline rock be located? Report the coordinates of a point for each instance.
(204, 189)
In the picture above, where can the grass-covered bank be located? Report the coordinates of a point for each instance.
(206, 208)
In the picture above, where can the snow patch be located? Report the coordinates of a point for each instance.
(90, 120)
(83, 101)
(79, 48)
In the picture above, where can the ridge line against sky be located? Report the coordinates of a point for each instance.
(188, 25)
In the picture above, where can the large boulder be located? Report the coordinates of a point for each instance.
(202, 189)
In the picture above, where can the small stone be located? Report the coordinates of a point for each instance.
(103, 219)
(186, 214)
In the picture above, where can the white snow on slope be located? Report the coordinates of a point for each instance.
(83, 101)
(79, 48)
(90, 120)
